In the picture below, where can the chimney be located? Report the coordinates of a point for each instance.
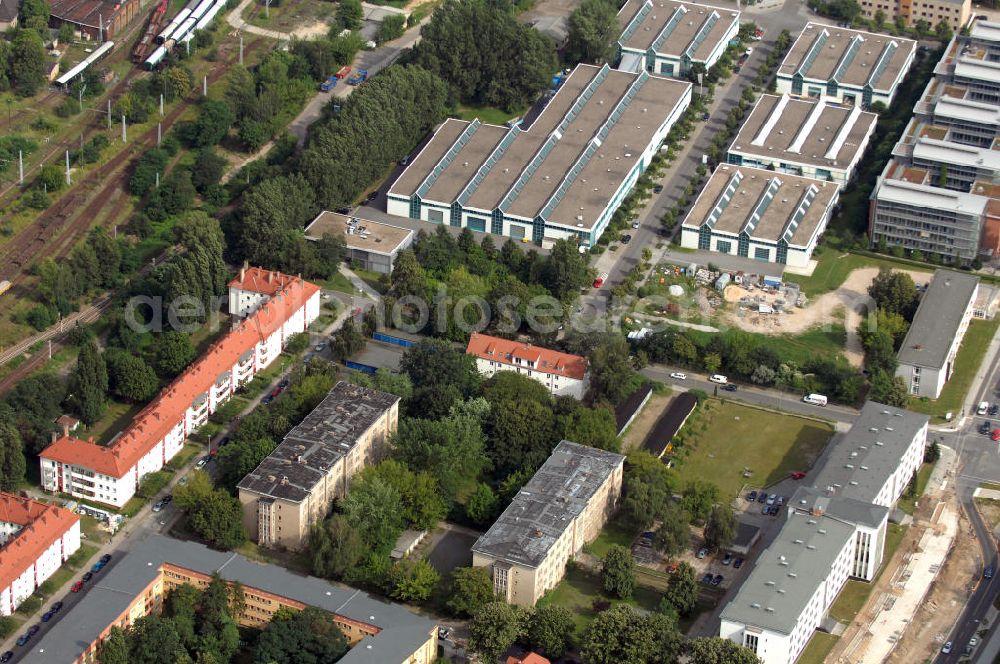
(243, 272)
(270, 276)
(65, 430)
(816, 510)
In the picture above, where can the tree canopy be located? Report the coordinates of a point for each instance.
(593, 32)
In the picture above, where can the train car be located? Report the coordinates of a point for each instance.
(148, 38)
(205, 20)
(180, 33)
(155, 58)
(200, 10)
(173, 25)
(98, 53)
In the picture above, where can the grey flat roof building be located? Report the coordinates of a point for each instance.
(547, 504)
(674, 28)
(861, 462)
(789, 572)
(308, 451)
(112, 592)
(938, 318)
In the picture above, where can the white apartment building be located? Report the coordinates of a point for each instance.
(561, 373)
(35, 540)
(276, 307)
(561, 508)
(835, 530)
(927, 355)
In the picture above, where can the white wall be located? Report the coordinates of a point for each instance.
(558, 385)
(41, 569)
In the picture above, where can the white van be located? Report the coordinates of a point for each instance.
(815, 399)
(982, 408)
(718, 378)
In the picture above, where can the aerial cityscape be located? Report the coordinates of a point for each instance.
(499, 331)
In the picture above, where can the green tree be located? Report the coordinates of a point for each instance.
(27, 61)
(612, 377)
(673, 535)
(481, 507)
(274, 213)
(212, 513)
(88, 384)
(52, 177)
(618, 572)
(335, 547)
(888, 389)
(392, 27)
(181, 606)
(35, 15)
(240, 457)
(347, 341)
(213, 123)
(349, 14)
(593, 31)
(550, 630)
(207, 169)
(720, 528)
(114, 648)
(565, 269)
(470, 589)
(682, 590)
(12, 463)
(495, 627)
(895, 292)
(217, 630)
(375, 510)
(648, 487)
(304, 637)
(943, 31)
(595, 427)
(716, 650)
(620, 635)
(152, 639)
(522, 435)
(423, 504)
(174, 352)
(413, 580)
(698, 498)
(129, 377)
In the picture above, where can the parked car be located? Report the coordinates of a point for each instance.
(771, 498)
(749, 51)
(635, 224)
(6, 657)
(995, 435)
(87, 576)
(370, 197)
(57, 607)
(34, 630)
(626, 238)
(702, 552)
(657, 188)
(994, 410)
(988, 572)
(21, 640)
(752, 497)
(718, 378)
(76, 587)
(765, 510)
(780, 501)
(729, 387)
(705, 117)
(727, 559)
(158, 506)
(773, 510)
(283, 384)
(201, 463)
(946, 648)
(985, 427)
(343, 210)
(762, 498)
(738, 563)
(677, 375)
(166, 499)
(266, 400)
(798, 475)
(599, 281)
(97, 567)
(973, 642)
(707, 578)
(47, 616)
(982, 408)
(717, 580)
(319, 347)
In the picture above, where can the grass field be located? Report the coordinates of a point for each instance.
(855, 593)
(339, 282)
(970, 356)
(990, 510)
(834, 266)
(826, 340)
(818, 648)
(116, 418)
(578, 591)
(612, 534)
(772, 445)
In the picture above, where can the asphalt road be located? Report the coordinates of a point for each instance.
(756, 396)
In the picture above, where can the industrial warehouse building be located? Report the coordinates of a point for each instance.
(561, 508)
(927, 354)
(939, 192)
(836, 529)
(371, 244)
(846, 66)
(801, 136)
(760, 214)
(95, 20)
(667, 37)
(295, 486)
(562, 176)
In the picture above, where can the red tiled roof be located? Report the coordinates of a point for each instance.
(530, 658)
(41, 525)
(260, 280)
(155, 420)
(546, 361)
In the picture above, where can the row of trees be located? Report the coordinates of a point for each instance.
(882, 332)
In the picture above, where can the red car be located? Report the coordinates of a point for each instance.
(599, 281)
(798, 475)
(995, 435)
(77, 587)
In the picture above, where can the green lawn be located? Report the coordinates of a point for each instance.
(117, 416)
(340, 283)
(908, 503)
(970, 356)
(486, 114)
(834, 266)
(723, 439)
(818, 648)
(855, 593)
(613, 533)
(826, 340)
(579, 589)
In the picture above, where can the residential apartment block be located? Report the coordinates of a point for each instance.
(955, 13)
(760, 214)
(275, 306)
(845, 66)
(379, 632)
(561, 176)
(295, 486)
(667, 37)
(561, 508)
(560, 373)
(803, 136)
(927, 355)
(939, 192)
(835, 530)
(35, 540)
